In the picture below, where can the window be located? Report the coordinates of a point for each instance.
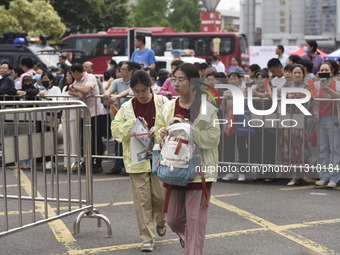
(201, 47)
(113, 46)
(158, 45)
(227, 45)
(7, 59)
(91, 46)
(180, 43)
(292, 42)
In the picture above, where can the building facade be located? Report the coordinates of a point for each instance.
(291, 22)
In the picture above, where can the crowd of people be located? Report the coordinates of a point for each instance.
(139, 91)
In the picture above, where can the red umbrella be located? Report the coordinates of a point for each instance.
(301, 51)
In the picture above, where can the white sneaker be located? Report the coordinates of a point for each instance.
(48, 165)
(229, 177)
(147, 246)
(241, 178)
(331, 184)
(320, 183)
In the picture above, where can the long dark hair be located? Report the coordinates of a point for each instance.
(191, 72)
(141, 77)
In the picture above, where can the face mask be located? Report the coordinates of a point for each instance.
(46, 84)
(306, 49)
(54, 74)
(37, 77)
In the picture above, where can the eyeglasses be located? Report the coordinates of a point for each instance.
(179, 80)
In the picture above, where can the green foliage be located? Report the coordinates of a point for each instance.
(180, 15)
(230, 28)
(34, 18)
(150, 13)
(186, 15)
(91, 15)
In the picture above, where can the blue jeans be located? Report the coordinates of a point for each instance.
(329, 140)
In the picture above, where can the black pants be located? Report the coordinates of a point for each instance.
(96, 134)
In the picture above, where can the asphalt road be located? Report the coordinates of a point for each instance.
(244, 218)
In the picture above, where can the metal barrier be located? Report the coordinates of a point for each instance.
(268, 140)
(270, 131)
(20, 142)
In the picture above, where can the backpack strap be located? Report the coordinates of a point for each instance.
(167, 198)
(204, 187)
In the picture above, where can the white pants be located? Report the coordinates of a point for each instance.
(72, 125)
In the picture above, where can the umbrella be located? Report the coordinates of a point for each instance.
(334, 55)
(301, 51)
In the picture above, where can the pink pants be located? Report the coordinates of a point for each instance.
(187, 216)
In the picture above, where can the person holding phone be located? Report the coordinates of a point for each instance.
(326, 114)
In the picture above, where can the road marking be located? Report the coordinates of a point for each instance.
(167, 241)
(275, 228)
(210, 236)
(230, 195)
(59, 229)
(298, 188)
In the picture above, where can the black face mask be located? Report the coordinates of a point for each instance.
(46, 84)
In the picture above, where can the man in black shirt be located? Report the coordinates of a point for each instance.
(7, 86)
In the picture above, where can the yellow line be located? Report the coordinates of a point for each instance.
(137, 245)
(59, 229)
(310, 224)
(298, 188)
(275, 228)
(219, 235)
(230, 195)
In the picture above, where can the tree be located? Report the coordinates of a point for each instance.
(150, 13)
(186, 15)
(91, 15)
(34, 18)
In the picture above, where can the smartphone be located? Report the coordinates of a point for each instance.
(324, 75)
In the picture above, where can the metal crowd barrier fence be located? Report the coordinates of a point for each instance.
(265, 144)
(30, 133)
(262, 145)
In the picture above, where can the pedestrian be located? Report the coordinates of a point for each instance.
(311, 47)
(72, 124)
(277, 70)
(143, 55)
(292, 144)
(281, 56)
(17, 72)
(85, 87)
(188, 210)
(167, 88)
(217, 63)
(7, 86)
(235, 67)
(326, 115)
(27, 65)
(146, 188)
(120, 86)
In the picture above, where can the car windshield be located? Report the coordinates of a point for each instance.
(47, 54)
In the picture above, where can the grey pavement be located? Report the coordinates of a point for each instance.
(244, 218)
